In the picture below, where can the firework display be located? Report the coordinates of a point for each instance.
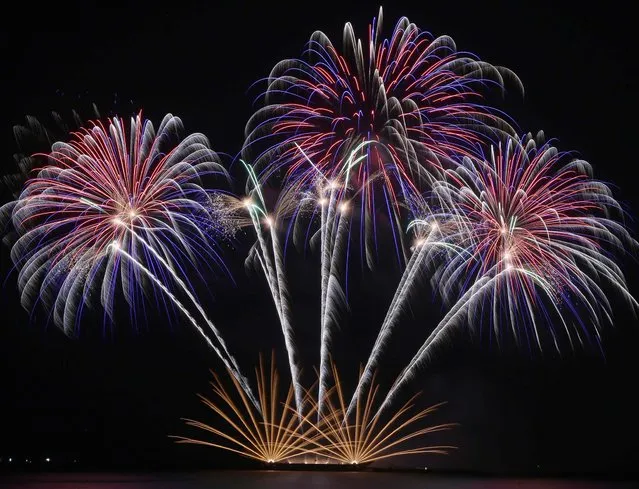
(277, 434)
(365, 436)
(415, 96)
(388, 143)
(112, 210)
(525, 238)
(272, 434)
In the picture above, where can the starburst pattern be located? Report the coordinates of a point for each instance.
(98, 190)
(527, 238)
(275, 433)
(279, 433)
(416, 97)
(366, 436)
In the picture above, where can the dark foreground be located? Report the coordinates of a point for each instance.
(289, 480)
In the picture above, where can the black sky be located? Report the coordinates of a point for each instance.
(113, 398)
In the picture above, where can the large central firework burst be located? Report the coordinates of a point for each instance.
(414, 97)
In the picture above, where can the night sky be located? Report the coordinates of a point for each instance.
(110, 397)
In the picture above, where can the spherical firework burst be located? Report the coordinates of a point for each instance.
(533, 223)
(112, 207)
(414, 97)
(526, 238)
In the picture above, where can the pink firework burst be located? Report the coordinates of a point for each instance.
(528, 235)
(413, 97)
(115, 206)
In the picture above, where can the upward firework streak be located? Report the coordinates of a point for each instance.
(272, 264)
(241, 380)
(532, 234)
(427, 244)
(101, 198)
(334, 226)
(334, 198)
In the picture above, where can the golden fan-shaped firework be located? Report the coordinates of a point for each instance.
(281, 434)
(364, 437)
(274, 435)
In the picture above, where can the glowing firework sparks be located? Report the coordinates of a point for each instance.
(333, 199)
(101, 198)
(280, 434)
(271, 261)
(275, 435)
(415, 96)
(427, 247)
(530, 237)
(31, 137)
(364, 437)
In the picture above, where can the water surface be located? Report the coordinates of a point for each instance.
(289, 480)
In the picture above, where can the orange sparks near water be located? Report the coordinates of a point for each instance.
(364, 437)
(273, 436)
(281, 434)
